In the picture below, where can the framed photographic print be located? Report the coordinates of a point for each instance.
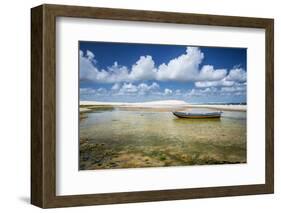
(137, 106)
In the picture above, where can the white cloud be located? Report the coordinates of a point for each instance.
(223, 82)
(143, 69)
(184, 68)
(153, 90)
(124, 89)
(178, 92)
(93, 92)
(90, 55)
(140, 89)
(114, 73)
(86, 91)
(202, 92)
(115, 86)
(235, 77)
(208, 81)
(208, 73)
(236, 88)
(89, 70)
(145, 89)
(237, 74)
(168, 92)
(102, 91)
(128, 88)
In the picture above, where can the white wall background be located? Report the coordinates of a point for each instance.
(15, 105)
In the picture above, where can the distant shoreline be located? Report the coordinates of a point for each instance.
(166, 105)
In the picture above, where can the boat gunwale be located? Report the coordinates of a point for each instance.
(207, 115)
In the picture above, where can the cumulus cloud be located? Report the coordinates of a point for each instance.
(178, 92)
(139, 79)
(128, 89)
(90, 55)
(236, 88)
(222, 82)
(217, 92)
(143, 69)
(145, 89)
(115, 86)
(184, 68)
(168, 92)
(135, 89)
(208, 73)
(236, 76)
(202, 92)
(114, 73)
(87, 67)
(101, 91)
(87, 92)
(89, 70)
(154, 90)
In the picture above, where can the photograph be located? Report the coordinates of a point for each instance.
(141, 105)
(159, 105)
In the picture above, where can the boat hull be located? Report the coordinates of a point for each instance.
(190, 116)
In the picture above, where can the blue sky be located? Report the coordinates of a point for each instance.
(126, 72)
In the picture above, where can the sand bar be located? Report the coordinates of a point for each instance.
(166, 104)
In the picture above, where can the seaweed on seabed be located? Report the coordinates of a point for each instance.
(94, 155)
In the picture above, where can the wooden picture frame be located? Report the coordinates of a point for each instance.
(43, 105)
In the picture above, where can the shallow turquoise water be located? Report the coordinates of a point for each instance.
(161, 135)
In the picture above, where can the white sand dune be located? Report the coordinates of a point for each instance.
(165, 104)
(222, 107)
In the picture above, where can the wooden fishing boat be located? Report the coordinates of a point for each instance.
(196, 115)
